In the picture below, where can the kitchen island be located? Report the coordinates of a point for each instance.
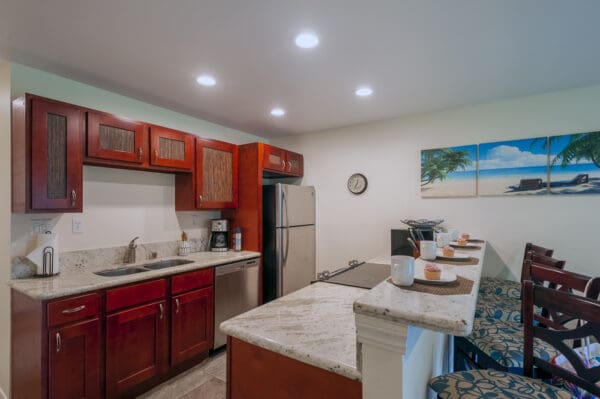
(391, 340)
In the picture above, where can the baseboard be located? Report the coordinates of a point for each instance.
(2, 394)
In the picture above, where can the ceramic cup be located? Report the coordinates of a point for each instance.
(454, 234)
(442, 239)
(428, 250)
(403, 270)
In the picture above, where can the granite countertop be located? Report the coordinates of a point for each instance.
(77, 281)
(314, 325)
(450, 314)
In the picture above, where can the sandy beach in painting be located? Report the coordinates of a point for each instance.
(501, 185)
(449, 188)
(560, 182)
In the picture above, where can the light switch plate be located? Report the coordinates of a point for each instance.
(40, 226)
(77, 224)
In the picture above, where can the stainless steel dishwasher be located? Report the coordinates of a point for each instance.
(236, 291)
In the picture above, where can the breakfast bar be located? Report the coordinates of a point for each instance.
(367, 336)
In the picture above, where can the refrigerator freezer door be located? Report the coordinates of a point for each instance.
(298, 267)
(295, 205)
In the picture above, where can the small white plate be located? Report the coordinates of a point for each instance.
(455, 245)
(440, 254)
(445, 278)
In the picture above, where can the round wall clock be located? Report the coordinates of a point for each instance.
(357, 183)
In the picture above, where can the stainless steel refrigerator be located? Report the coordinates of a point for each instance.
(289, 255)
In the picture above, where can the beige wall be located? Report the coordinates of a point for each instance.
(4, 225)
(388, 153)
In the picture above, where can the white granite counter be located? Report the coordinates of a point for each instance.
(79, 280)
(314, 325)
(450, 314)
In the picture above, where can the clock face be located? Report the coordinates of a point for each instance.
(357, 183)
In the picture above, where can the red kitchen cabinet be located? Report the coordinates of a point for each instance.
(47, 159)
(294, 163)
(112, 138)
(171, 148)
(191, 324)
(136, 347)
(216, 174)
(74, 361)
(273, 159)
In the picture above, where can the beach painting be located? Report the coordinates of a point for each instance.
(575, 163)
(516, 167)
(449, 172)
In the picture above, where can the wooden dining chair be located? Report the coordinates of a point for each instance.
(538, 329)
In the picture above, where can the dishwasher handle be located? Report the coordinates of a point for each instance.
(235, 267)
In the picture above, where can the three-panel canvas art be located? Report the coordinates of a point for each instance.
(566, 164)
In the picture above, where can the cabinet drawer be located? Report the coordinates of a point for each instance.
(124, 297)
(190, 281)
(73, 309)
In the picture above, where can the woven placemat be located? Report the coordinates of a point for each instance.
(471, 262)
(466, 247)
(462, 286)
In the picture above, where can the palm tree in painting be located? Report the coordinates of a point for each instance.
(584, 146)
(438, 164)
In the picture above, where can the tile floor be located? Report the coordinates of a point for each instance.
(205, 381)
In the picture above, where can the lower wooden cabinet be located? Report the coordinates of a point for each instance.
(74, 361)
(136, 347)
(191, 324)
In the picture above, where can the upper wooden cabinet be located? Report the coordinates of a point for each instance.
(281, 161)
(216, 174)
(171, 148)
(47, 159)
(112, 138)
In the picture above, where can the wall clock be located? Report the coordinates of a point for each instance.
(357, 183)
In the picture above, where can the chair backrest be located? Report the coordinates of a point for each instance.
(577, 307)
(529, 247)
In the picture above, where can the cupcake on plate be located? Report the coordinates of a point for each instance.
(432, 272)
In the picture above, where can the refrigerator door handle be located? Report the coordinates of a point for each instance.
(287, 229)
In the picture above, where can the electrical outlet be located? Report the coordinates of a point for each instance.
(77, 224)
(40, 226)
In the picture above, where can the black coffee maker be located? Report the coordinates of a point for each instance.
(219, 235)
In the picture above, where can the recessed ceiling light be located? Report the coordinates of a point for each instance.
(206, 80)
(277, 112)
(307, 40)
(363, 91)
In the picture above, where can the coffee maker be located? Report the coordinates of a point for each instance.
(219, 235)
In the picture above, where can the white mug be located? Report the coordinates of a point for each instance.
(454, 234)
(403, 270)
(428, 250)
(442, 239)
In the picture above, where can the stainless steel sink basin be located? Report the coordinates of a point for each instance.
(120, 271)
(166, 263)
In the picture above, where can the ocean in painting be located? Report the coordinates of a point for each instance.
(516, 167)
(579, 175)
(458, 176)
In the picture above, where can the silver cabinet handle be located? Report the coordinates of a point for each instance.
(73, 198)
(73, 310)
(155, 155)
(177, 306)
(283, 164)
(140, 152)
(58, 343)
(200, 200)
(289, 166)
(162, 310)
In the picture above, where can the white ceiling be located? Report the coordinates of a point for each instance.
(418, 55)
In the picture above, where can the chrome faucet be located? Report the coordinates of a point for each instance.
(130, 254)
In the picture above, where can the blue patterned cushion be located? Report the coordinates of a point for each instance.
(497, 286)
(498, 307)
(477, 384)
(502, 342)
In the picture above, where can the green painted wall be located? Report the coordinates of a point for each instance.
(29, 80)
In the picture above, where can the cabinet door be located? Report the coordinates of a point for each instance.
(56, 156)
(191, 324)
(273, 159)
(117, 139)
(74, 361)
(136, 347)
(216, 174)
(171, 148)
(294, 163)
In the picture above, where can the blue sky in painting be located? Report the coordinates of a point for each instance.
(513, 154)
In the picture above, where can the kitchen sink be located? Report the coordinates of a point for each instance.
(166, 263)
(121, 271)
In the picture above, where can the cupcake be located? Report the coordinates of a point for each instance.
(432, 272)
(462, 241)
(466, 236)
(448, 251)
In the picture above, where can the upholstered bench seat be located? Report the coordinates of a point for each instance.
(495, 384)
(497, 286)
